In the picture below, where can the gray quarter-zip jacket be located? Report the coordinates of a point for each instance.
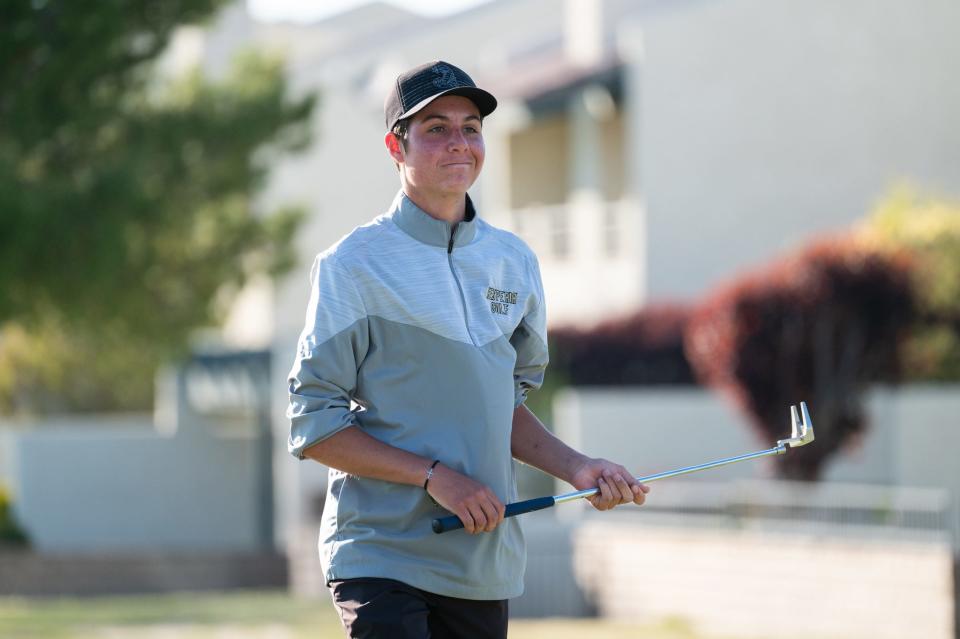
(435, 333)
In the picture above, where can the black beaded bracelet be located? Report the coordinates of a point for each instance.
(430, 473)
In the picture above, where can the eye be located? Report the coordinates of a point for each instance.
(436, 129)
(471, 129)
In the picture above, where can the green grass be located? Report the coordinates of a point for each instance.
(247, 615)
(190, 615)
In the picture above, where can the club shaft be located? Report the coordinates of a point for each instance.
(580, 494)
(453, 522)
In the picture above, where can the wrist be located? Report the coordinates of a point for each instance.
(430, 473)
(575, 463)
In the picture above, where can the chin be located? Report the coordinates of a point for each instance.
(461, 186)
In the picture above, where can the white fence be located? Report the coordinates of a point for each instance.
(911, 440)
(765, 547)
(756, 583)
(135, 483)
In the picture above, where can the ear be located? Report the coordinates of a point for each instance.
(394, 148)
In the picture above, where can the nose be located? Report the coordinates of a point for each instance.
(457, 141)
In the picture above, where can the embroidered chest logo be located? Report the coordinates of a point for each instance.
(444, 77)
(501, 301)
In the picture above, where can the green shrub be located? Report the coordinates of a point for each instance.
(929, 229)
(10, 532)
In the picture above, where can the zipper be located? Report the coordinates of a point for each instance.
(456, 278)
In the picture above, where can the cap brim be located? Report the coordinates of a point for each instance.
(485, 101)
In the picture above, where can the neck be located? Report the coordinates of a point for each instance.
(447, 207)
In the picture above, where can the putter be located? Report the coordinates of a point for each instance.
(801, 435)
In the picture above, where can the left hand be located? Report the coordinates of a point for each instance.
(617, 486)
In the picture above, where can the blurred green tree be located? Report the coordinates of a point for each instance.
(930, 229)
(10, 532)
(127, 201)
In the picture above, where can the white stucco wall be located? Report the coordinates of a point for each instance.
(95, 487)
(135, 483)
(910, 434)
(764, 123)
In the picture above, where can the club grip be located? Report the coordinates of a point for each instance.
(528, 506)
(445, 524)
(452, 522)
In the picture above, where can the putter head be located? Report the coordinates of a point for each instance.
(801, 432)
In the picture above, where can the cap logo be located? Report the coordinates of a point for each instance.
(445, 79)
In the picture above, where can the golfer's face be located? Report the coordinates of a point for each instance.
(444, 151)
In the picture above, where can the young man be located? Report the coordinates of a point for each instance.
(432, 323)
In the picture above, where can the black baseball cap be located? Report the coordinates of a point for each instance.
(418, 87)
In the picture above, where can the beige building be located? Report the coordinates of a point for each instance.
(645, 149)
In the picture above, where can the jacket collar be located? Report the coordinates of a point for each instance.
(421, 226)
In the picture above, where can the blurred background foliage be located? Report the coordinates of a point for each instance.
(820, 325)
(127, 198)
(10, 532)
(642, 348)
(929, 228)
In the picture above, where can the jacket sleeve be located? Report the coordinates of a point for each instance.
(529, 340)
(331, 348)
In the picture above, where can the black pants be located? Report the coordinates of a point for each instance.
(388, 609)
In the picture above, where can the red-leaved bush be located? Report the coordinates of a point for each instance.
(819, 325)
(643, 348)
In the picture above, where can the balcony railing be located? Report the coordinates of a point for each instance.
(602, 230)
